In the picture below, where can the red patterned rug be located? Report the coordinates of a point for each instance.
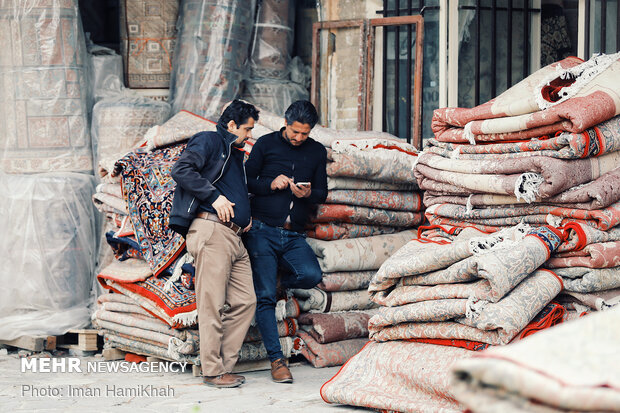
(176, 306)
(148, 190)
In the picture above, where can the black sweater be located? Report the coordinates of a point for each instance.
(272, 156)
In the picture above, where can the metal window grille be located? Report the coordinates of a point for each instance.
(398, 68)
(600, 19)
(488, 26)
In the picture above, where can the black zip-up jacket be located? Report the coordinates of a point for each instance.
(271, 156)
(207, 153)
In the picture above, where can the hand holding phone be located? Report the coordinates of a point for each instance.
(301, 189)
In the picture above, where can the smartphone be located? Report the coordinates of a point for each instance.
(302, 183)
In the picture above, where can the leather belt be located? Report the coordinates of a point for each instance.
(287, 226)
(213, 217)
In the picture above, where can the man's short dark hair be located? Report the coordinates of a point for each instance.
(301, 111)
(239, 112)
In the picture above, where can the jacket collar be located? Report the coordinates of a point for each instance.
(226, 136)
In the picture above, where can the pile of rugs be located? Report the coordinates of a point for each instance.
(48, 222)
(132, 322)
(352, 234)
(160, 279)
(120, 121)
(567, 368)
(545, 152)
(212, 48)
(370, 190)
(442, 301)
(269, 85)
(521, 194)
(44, 107)
(148, 35)
(141, 314)
(479, 288)
(152, 310)
(334, 319)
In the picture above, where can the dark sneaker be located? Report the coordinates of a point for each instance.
(280, 372)
(223, 380)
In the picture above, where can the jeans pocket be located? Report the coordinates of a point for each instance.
(256, 224)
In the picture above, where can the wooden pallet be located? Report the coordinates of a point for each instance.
(84, 340)
(32, 343)
(111, 354)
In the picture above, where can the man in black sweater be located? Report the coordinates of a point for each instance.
(211, 210)
(287, 176)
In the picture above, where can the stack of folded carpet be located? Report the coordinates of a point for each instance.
(441, 301)
(546, 151)
(143, 313)
(567, 368)
(133, 321)
(119, 126)
(334, 322)
(543, 152)
(371, 190)
(479, 288)
(589, 264)
(542, 155)
(144, 247)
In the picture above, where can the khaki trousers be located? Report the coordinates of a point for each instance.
(224, 294)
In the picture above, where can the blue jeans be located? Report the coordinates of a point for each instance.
(269, 246)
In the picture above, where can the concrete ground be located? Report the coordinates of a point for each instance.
(179, 392)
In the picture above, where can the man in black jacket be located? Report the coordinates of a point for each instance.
(211, 210)
(287, 176)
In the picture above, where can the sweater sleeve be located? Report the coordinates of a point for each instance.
(319, 179)
(186, 171)
(257, 184)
